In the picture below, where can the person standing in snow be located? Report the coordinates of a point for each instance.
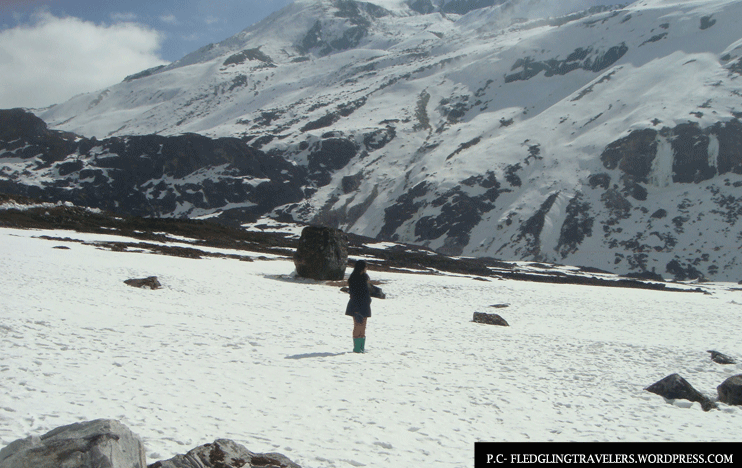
(359, 305)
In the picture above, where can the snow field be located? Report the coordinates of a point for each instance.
(243, 350)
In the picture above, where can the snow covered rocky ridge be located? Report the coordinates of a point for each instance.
(603, 138)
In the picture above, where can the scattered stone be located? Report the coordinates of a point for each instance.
(144, 283)
(489, 319)
(224, 453)
(721, 358)
(91, 444)
(322, 253)
(500, 306)
(61, 247)
(730, 391)
(674, 387)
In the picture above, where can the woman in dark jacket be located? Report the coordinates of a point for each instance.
(359, 305)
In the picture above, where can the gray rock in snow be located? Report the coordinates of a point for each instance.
(730, 391)
(674, 387)
(106, 443)
(224, 453)
(322, 253)
(721, 358)
(146, 283)
(490, 319)
(102, 443)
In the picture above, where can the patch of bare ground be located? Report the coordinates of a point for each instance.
(156, 235)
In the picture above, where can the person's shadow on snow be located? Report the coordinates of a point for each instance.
(313, 355)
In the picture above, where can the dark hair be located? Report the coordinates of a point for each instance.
(359, 267)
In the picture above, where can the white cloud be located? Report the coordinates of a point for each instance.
(54, 58)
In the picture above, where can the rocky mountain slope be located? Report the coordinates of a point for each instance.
(608, 137)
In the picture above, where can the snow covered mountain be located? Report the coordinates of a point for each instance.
(513, 129)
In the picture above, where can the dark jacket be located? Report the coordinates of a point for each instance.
(360, 296)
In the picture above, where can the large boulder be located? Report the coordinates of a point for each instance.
(674, 387)
(489, 319)
(322, 253)
(224, 453)
(730, 391)
(91, 444)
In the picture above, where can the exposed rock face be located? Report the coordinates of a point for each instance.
(577, 226)
(730, 391)
(350, 24)
(93, 444)
(17, 123)
(150, 282)
(693, 160)
(225, 453)
(458, 210)
(322, 253)
(332, 155)
(149, 175)
(674, 387)
(580, 58)
(490, 319)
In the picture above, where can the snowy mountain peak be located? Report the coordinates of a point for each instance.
(301, 27)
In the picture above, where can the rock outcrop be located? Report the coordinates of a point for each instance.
(150, 282)
(224, 453)
(322, 253)
(730, 391)
(128, 175)
(674, 387)
(92, 444)
(106, 443)
(490, 319)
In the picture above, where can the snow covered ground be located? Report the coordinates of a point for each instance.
(243, 350)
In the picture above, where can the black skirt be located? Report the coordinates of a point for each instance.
(356, 309)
